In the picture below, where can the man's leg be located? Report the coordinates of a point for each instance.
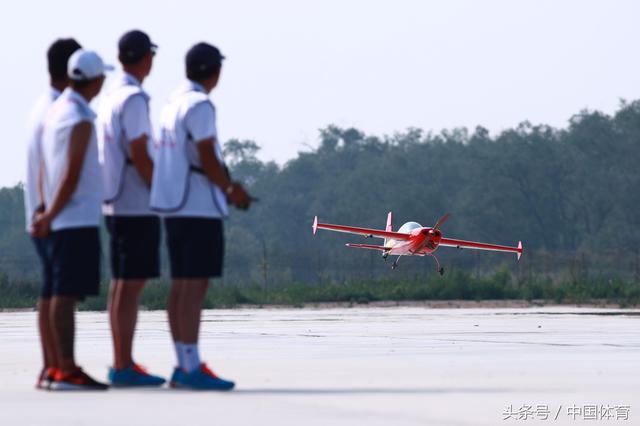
(184, 308)
(124, 315)
(198, 375)
(173, 312)
(172, 309)
(49, 356)
(115, 333)
(192, 296)
(75, 255)
(63, 327)
(46, 338)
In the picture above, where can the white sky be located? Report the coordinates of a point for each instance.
(382, 66)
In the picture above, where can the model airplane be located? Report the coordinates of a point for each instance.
(412, 239)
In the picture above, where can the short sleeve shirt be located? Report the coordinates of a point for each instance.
(83, 209)
(34, 154)
(135, 118)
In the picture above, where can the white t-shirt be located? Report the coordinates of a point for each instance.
(34, 156)
(83, 209)
(188, 118)
(124, 117)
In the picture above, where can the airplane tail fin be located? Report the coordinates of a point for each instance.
(389, 227)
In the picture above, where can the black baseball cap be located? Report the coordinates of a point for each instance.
(133, 45)
(202, 59)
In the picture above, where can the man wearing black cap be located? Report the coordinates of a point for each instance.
(191, 186)
(124, 138)
(57, 58)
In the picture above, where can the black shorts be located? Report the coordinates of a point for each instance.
(134, 246)
(196, 247)
(47, 272)
(74, 258)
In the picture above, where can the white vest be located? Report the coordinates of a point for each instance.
(114, 156)
(83, 209)
(175, 170)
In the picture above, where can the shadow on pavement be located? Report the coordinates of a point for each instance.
(366, 391)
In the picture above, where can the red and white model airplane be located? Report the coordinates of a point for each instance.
(412, 239)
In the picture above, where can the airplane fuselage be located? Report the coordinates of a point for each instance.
(423, 241)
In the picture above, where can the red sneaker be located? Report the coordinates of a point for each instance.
(76, 380)
(46, 377)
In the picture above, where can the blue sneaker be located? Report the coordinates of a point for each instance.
(133, 376)
(201, 379)
(177, 376)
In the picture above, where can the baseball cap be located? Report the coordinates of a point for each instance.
(86, 65)
(202, 59)
(133, 45)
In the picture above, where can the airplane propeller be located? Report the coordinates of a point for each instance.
(439, 223)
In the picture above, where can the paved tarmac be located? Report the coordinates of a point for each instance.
(352, 366)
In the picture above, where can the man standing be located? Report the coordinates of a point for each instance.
(57, 58)
(124, 133)
(72, 188)
(191, 186)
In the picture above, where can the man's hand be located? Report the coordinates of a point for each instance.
(41, 225)
(237, 195)
(216, 173)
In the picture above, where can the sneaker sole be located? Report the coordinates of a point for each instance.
(136, 385)
(43, 386)
(64, 386)
(193, 388)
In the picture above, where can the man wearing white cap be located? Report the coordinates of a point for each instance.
(72, 190)
(124, 136)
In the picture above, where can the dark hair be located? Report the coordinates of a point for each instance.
(58, 55)
(199, 75)
(124, 60)
(81, 84)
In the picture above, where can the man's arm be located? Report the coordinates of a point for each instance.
(140, 158)
(40, 186)
(216, 174)
(210, 164)
(137, 130)
(78, 144)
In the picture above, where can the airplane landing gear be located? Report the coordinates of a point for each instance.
(439, 268)
(395, 263)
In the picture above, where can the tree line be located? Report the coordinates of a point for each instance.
(571, 195)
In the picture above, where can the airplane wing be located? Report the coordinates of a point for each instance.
(450, 242)
(362, 231)
(368, 246)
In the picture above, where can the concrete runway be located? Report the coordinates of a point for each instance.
(352, 366)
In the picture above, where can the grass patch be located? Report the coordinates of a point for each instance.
(455, 285)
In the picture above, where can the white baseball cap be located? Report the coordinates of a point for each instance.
(86, 65)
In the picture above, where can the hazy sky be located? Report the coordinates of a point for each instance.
(382, 66)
